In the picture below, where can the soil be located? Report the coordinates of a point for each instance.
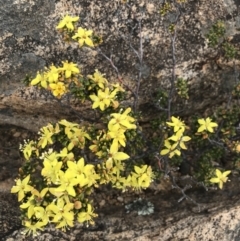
(113, 221)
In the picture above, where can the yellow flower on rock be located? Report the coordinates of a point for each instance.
(179, 139)
(206, 124)
(63, 214)
(51, 170)
(66, 156)
(118, 87)
(103, 99)
(40, 78)
(122, 120)
(142, 176)
(98, 78)
(58, 89)
(67, 22)
(76, 168)
(28, 148)
(69, 127)
(53, 74)
(91, 175)
(42, 214)
(70, 68)
(221, 178)
(22, 187)
(83, 36)
(172, 150)
(30, 205)
(46, 136)
(114, 154)
(67, 182)
(87, 216)
(117, 134)
(32, 228)
(177, 124)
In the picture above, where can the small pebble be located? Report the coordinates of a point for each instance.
(102, 203)
(120, 199)
(17, 134)
(24, 135)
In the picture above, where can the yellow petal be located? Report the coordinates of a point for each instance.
(120, 156)
(164, 151)
(201, 128)
(226, 173)
(15, 189)
(218, 173)
(214, 180)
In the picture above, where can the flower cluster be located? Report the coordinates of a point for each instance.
(176, 142)
(58, 196)
(83, 36)
(55, 181)
(57, 79)
(69, 160)
(54, 186)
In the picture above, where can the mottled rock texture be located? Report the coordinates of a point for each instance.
(29, 42)
(216, 218)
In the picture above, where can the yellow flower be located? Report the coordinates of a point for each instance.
(69, 127)
(30, 205)
(79, 137)
(91, 175)
(117, 134)
(77, 170)
(221, 178)
(180, 140)
(117, 167)
(22, 187)
(39, 196)
(237, 147)
(42, 214)
(40, 78)
(58, 89)
(63, 214)
(70, 68)
(31, 228)
(170, 149)
(122, 120)
(207, 125)
(76, 135)
(98, 78)
(118, 87)
(53, 74)
(142, 176)
(103, 99)
(84, 37)
(67, 182)
(66, 156)
(34, 201)
(114, 154)
(177, 124)
(46, 136)
(28, 148)
(87, 216)
(67, 22)
(51, 170)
